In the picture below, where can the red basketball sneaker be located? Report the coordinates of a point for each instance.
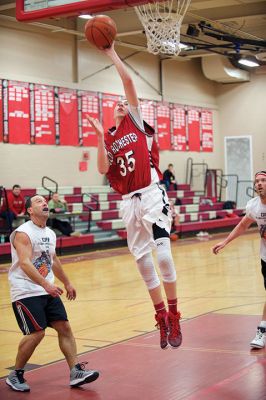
(175, 335)
(162, 325)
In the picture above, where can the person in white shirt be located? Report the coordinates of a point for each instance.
(255, 211)
(36, 299)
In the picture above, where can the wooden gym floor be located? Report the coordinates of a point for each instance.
(221, 300)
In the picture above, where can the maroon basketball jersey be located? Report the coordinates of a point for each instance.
(131, 153)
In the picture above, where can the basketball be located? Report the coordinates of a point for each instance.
(174, 237)
(101, 31)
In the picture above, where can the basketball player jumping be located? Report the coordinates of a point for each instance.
(255, 211)
(128, 155)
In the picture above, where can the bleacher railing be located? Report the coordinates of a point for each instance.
(199, 172)
(90, 208)
(50, 191)
(250, 192)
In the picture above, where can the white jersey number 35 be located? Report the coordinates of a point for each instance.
(127, 164)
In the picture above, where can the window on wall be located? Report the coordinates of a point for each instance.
(238, 166)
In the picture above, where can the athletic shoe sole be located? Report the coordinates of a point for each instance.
(88, 379)
(14, 387)
(256, 346)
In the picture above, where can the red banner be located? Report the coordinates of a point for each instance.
(193, 118)
(68, 117)
(89, 105)
(18, 105)
(1, 112)
(148, 111)
(163, 126)
(206, 130)
(108, 105)
(44, 114)
(179, 131)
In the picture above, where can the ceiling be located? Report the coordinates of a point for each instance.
(227, 27)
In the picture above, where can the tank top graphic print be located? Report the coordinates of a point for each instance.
(43, 241)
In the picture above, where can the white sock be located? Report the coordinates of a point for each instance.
(262, 324)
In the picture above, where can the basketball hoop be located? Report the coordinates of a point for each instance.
(162, 23)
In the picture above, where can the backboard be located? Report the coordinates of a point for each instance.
(29, 10)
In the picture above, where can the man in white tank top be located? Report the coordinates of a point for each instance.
(36, 299)
(255, 211)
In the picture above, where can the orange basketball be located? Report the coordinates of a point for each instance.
(174, 237)
(101, 31)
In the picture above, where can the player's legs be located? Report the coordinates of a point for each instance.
(30, 315)
(66, 341)
(57, 319)
(26, 348)
(155, 209)
(149, 274)
(259, 340)
(264, 313)
(143, 213)
(168, 272)
(31, 319)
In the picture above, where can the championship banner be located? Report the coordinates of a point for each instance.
(68, 117)
(89, 105)
(17, 113)
(179, 127)
(206, 130)
(193, 120)
(148, 111)
(163, 126)
(1, 112)
(108, 105)
(44, 114)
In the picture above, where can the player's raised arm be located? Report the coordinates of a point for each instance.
(129, 87)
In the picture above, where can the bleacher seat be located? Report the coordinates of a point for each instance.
(105, 219)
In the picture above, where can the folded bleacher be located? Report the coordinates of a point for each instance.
(106, 225)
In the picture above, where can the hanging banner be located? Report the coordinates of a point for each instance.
(41, 114)
(206, 130)
(18, 113)
(44, 114)
(163, 125)
(179, 127)
(68, 117)
(148, 111)
(193, 121)
(1, 112)
(89, 104)
(108, 105)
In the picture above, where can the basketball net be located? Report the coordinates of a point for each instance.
(162, 23)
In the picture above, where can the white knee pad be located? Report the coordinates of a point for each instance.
(148, 272)
(165, 259)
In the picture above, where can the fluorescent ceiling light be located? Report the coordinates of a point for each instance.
(248, 63)
(85, 16)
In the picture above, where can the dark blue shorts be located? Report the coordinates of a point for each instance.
(36, 313)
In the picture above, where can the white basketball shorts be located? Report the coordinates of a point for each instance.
(139, 212)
